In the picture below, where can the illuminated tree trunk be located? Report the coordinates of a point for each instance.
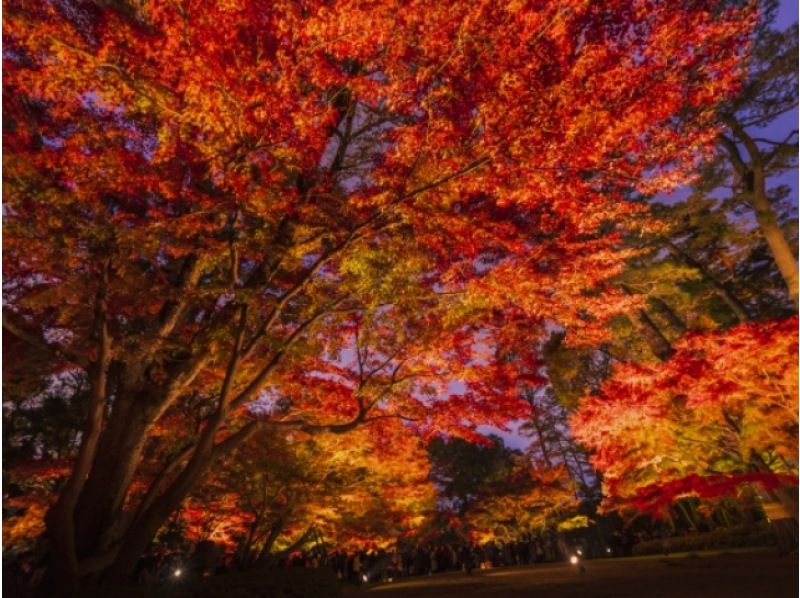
(143, 529)
(61, 527)
(540, 436)
(113, 469)
(784, 528)
(135, 408)
(99, 512)
(753, 177)
(782, 495)
(652, 335)
(767, 221)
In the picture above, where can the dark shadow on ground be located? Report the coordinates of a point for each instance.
(711, 575)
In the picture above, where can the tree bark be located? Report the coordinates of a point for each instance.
(144, 528)
(141, 531)
(136, 409)
(768, 223)
(112, 472)
(540, 436)
(780, 494)
(59, 520)
(785, 529)
(652, 335)
(753, 176)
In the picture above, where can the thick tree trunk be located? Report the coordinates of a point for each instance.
(120, 452)
(142, 530)
(784, 526)
(652, 335)
(136, 409)
(780, 494)
(107, 533)
(59, 519)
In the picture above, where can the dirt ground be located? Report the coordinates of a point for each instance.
(755, 574)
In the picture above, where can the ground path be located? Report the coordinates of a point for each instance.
(708, 575)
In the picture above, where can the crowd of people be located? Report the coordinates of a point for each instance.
(369, 565)
(364, 566)
(378, 565)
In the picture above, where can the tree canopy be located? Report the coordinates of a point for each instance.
(308, 239)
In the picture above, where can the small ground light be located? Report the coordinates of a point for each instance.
(177, 573)
(576, 561)
(608, 550)
(580, 551)
(364, 577)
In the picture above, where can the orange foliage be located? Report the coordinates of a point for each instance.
(720, 399)
(28, 496)
(243, 179)
(531, 500)
(368, 487)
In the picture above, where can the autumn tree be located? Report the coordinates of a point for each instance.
(198, 194)
(710, 267)
(753, 157)
(460, 469)
(552, 445)
(711, 262)
(493, 492)
(707, 263)
(528, 499)
(709, 419)
(367, 487)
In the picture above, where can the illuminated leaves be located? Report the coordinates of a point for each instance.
(362, 489)
(721, 398)
(446, 179)
(182, 111)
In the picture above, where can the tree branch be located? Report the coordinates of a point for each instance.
(256, 384)
(18, 329)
